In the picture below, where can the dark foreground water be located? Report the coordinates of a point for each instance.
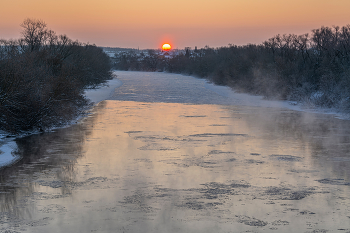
(174, 166)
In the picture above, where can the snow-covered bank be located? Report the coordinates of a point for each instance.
(7, 144)
(104, 92)
(7, 157)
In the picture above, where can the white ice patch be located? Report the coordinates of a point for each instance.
(102, 93)
(7, 157)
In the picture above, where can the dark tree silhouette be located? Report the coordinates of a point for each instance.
(310, 68)
(43, 76)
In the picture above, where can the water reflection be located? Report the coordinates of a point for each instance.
(52, 155)
(161, 167)
(327, 137)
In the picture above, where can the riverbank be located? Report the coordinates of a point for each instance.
(104, 92)
(7, 144)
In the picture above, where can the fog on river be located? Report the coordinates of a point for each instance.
(172, 153)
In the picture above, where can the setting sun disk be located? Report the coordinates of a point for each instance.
(166, 47)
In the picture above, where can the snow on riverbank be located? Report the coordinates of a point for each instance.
(8, 145)
(104, 92)
(6, 153)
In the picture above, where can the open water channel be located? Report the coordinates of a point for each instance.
(171, 153)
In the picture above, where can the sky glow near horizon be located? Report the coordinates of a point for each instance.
(182, 23)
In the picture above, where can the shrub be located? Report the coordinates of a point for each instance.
(43, 76)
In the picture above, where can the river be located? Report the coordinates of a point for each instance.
(172, 153)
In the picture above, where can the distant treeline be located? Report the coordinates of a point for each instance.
(43, 77)
(311, 68)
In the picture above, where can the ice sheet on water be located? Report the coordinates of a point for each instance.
(177, 88)
(7, 156)
(102, 93)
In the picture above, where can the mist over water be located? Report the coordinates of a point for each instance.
(171, 153)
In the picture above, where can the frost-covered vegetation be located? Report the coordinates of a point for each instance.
(43, 77)
(311, 68)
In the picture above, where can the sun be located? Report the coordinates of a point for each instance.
(166, 47)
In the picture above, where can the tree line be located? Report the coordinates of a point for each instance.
(312, 68)
(43, 76)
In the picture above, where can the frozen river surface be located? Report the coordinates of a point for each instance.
(171, 153)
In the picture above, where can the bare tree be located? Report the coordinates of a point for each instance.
(34, 33)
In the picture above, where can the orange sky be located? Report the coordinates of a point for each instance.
(183, 23)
